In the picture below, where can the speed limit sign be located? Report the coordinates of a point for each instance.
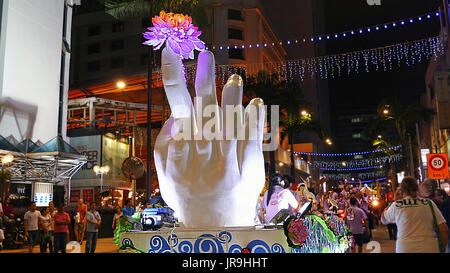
(437, 166)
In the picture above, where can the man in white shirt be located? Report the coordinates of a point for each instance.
(94, 221)
(414, 219)
(31, 225)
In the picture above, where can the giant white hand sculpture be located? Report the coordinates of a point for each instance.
(209, 183)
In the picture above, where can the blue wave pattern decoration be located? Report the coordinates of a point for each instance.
(206, 243)
(127, 241)
(316, 242)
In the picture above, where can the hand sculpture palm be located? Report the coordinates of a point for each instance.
(209, 183)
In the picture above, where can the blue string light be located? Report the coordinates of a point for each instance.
(350, 154)
(344, 34)
(365, 181)
(351, 169)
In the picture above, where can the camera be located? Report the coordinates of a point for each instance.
(154, 218)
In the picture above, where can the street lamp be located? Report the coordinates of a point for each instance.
(101, 170)
(6, 159)
(121, 85)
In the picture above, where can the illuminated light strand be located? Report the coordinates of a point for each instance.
(377, 59)
(351, 154)
(337, 65)
(361, 176)
(361, 163)
(352, 169)
(358, 31)
(366, 181)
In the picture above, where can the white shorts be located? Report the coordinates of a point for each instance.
(2, 236)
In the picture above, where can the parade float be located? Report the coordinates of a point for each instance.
(212, 180)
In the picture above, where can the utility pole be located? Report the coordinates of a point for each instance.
(149, 113)
(411, 159)
(419, 153)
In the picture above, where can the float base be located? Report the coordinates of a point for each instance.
(222, 240)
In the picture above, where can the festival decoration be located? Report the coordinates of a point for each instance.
(358, 163)
(295, 232)
(352, 169)
(196, 186)
(333, 66)
(368, 190)
(177, 31)
(350, 154)
(337, 35)
(342, 176)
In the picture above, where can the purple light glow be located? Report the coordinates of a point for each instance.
(177, 31)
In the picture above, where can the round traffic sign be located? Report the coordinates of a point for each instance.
(437, 162)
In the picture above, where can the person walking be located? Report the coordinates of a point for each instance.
(80, 224)
(116, 218)
(31, 226)
(427, 189)
(93, 224)
(1, 213)
(51, 230)
(446, 215)
(62, 222)
(354, 217)
(7, 209)
(45, 224)
(419, 221)
(441, 196)
(128, 210)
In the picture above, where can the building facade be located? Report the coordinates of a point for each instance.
(42, 58)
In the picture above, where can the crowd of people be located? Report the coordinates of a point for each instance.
(417, 217)
(49, 226)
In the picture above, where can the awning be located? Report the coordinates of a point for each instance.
(52, 162)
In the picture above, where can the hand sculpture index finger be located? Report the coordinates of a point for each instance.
(175, 84)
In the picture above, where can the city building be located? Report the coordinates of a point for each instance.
(349, 130)
(435, 135)
(35, 54)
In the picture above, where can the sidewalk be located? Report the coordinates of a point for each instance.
(106, 245)
(381, 235)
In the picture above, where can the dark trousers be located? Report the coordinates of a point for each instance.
(46, 242)
(392, 229)
(91, 241)
(60, 242)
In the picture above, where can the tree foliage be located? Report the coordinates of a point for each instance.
(126, 9)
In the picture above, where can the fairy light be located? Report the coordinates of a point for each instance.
(344, 34)
(332, 66)
(350, 169)
(353, 164)
(350, 154)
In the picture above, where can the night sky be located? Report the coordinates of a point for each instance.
(366, 90)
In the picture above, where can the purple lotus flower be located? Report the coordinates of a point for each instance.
(177, 31)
